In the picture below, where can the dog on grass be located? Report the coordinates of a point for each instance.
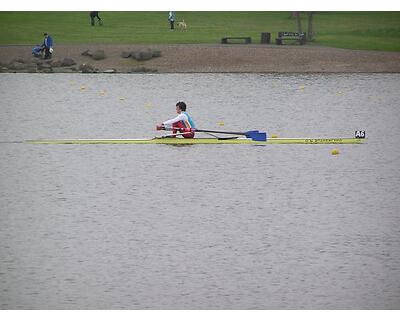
(182, 25)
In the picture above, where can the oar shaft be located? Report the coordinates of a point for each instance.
(254, 134)
(209, 131)
(223, 132)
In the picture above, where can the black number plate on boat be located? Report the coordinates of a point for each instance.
(360, 134)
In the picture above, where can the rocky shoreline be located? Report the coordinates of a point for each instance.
(197, 58)
(69, 65)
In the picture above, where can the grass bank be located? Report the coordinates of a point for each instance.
(353, 30)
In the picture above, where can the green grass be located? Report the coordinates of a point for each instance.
(361, 30)
(354, 30)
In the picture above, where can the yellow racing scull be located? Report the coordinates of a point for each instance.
(183, 141)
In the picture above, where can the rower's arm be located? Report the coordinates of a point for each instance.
(179, 117)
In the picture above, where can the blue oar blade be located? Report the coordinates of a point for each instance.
(256, 135)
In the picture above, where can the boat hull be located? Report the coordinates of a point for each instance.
(182, 141)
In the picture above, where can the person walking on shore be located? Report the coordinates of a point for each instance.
(95, 14)
(171, 19)
(47, 45)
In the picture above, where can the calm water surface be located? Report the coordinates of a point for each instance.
(199, 227)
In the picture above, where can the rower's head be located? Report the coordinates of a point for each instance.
(180, 106)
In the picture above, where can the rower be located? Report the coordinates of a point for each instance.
(182, 122)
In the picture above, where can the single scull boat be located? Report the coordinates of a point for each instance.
(176, 141)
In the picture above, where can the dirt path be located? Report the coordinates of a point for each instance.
(225, 58)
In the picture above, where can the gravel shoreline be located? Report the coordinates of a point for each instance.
(220, 58)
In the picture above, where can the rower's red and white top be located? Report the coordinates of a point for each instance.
(183, 118)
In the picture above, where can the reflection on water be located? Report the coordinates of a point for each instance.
(199, 227)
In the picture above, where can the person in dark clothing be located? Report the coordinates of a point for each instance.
(47, 46)
(95, 14)
(171, 19)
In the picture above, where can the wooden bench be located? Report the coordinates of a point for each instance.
(226, 39)
(300, 37)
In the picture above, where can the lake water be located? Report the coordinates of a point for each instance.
(199, 227)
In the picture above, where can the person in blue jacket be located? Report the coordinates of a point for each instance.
(47, 45)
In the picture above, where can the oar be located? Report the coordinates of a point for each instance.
(183, 133)
(254, 134)
(221, 138)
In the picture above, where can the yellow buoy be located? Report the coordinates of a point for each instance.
(302, 87)
(83, 87)
(121, 98)
(102, 92)
(274, 136)
(221, 123)
(335, 152)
